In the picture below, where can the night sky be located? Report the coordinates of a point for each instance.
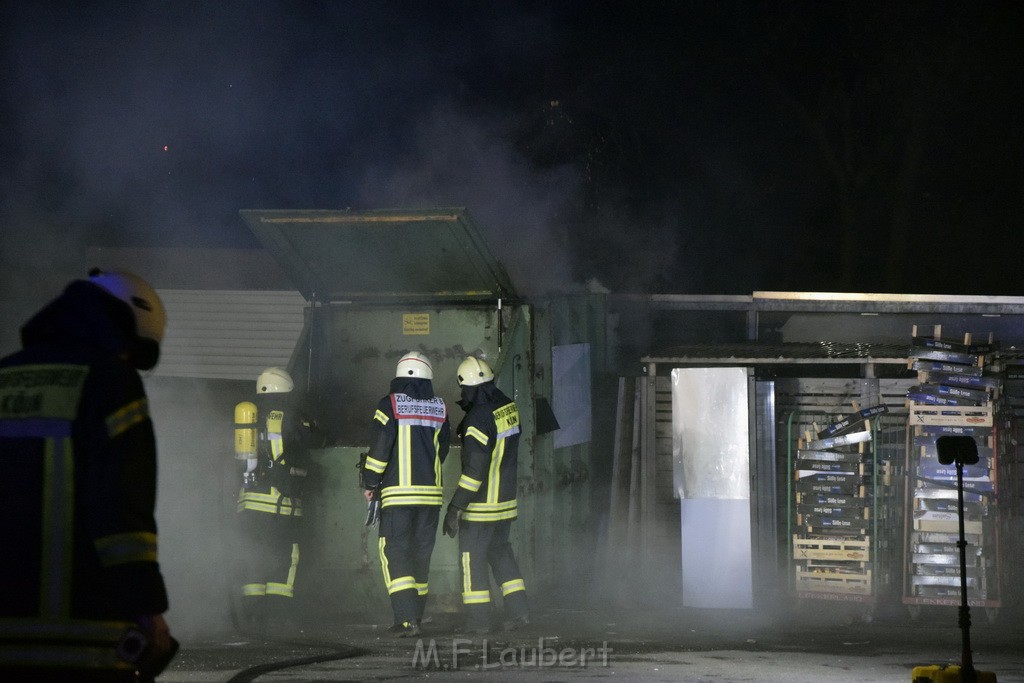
(710, 147)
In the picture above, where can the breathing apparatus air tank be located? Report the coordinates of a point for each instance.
(245, 430)
(245, 440)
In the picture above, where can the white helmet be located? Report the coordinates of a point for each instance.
(414, 364)
(147, 310)
(473, 371)
(274, 381)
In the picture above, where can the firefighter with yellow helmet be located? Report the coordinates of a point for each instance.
(81, 593)
(274, 442)
(409, 442)
(484, 505)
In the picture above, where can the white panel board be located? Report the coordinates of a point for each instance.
(711, 475)
(717, 570)
(570, 385)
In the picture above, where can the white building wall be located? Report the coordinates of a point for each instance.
(228, 334)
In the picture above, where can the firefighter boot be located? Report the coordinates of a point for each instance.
(254, 617)
(516, 623)
(478, 620)
(407, 629)
(517, 611)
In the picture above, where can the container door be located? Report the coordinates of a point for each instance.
(711, 472)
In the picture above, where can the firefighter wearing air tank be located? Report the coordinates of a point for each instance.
(272, 441)
(484, 504)
(409, 442)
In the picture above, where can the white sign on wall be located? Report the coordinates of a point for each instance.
(570, 385)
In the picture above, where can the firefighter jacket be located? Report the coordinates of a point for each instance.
(490, 455)
(409, 438)
(282, 467)
(78, 452)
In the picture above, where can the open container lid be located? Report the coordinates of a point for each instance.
(382, 255)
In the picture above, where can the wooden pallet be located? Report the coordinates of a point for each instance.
(833, 582)
(831, 549)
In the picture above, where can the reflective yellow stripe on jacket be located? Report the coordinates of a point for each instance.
(41, 402)
(272, 502)
(411, 495)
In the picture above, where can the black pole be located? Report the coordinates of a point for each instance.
(967, 673)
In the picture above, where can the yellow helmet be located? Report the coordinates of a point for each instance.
(147, 310)
(415, 364)
(274, 381)
(473, 371)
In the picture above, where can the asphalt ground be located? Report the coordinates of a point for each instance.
(823, 643)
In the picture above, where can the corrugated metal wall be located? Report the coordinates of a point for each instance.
(228, 334)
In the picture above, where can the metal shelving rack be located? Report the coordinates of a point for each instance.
(842, 470)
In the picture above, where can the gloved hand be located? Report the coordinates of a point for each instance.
(451, 521)
(149, 646)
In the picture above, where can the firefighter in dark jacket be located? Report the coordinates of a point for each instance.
(270, 501)
(409, 442)
(484, 504)
(81, 593)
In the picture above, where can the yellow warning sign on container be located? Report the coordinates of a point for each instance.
(415, 323)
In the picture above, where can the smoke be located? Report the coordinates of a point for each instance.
(153, 125)
(456, 159)
(198, 485)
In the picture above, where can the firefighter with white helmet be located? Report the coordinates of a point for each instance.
(81, 592)
(484, 505)
(274, 442)
(409, 442)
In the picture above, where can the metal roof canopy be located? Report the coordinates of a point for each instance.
(836, 302)
(389, 255)
(822, 352)
(796, 353)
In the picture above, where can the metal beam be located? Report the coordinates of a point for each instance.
(704, 360)
(830, 302)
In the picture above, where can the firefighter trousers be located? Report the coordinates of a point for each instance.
(270, 560)
(406, 542)
(484, 548)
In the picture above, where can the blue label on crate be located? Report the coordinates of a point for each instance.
(950, 368)
(848, 489)
(837, 500)
(852, 512)
(832, 522)
(851, 420)
(970, 486)
(969, 381)
(946, 430)
(979, 395)
(944, 356)
(842, 440)
(829, 477)
(934, 400)
(830, 456)
(943, 345)
(972, 510)
(825, 466)
(946, 492)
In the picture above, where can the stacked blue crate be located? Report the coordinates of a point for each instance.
(835, 509)
(956, 395)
